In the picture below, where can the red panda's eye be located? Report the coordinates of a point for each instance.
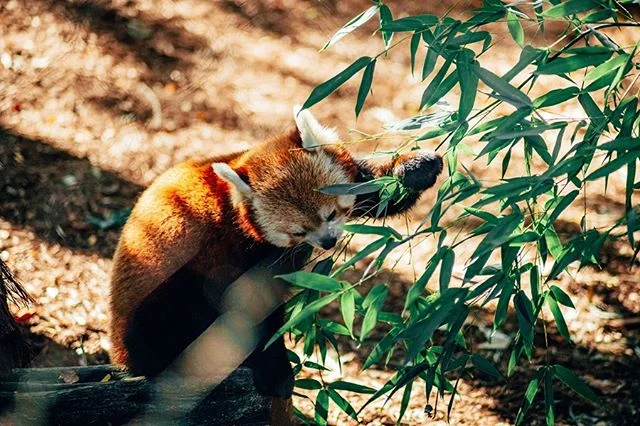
(299, 234)
(331, 216)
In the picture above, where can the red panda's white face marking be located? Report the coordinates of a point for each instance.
(290, 209)
(282, 189)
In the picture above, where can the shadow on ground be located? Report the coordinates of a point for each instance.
(59, 196)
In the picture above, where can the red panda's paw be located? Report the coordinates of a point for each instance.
(418, 170)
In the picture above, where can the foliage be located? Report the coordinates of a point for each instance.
(517, 214)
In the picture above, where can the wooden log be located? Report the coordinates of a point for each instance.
(102, 395)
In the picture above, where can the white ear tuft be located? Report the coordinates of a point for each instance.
(240, 189)
(313, 134)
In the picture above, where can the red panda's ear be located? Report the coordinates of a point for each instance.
(240, 190)
(312, 133)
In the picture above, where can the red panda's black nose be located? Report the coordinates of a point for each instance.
(328, 242)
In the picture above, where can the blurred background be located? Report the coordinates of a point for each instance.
(99, 97)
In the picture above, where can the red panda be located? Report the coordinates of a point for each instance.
(202, 224)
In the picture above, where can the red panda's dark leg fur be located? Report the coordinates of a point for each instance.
(417, 171)
(272, 373)
(14, 351)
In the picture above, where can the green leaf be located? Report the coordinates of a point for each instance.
(526, 320)
(438, 87)
(500, 85)
(342, 403)
(387, 342)
(607, 67)
(575, 383)
(555, 97)
(328, 87)
(429, 62)
(529, 396)
(308, 310)
(528, 55)
(418, 287)
(621, 144)
(571, 63)
(570, 7)
(373, 304)
(410, 23)
(614, 165)
(448, 259)
(420, 332)
(561, 297)
(486, 216)
(376, 295)
(312, 280)
(348, 309)
(369, 321)
(468, 82)
(590, 107)
(415, 43)
(548, 396)
(386, 16)
(369, 249)
(322, 408)
(559, 318)
(535, 284)
(485, 366)
(515, 28)
(503, 303)
(309, 384)
(406, 398)
(365, 85)
(383, 231)
(564, 202)
(354, 23)
(553, 242)
(498, 235)
(351, 387)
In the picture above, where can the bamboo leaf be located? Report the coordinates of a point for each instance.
(365, 85)
(468, 82)
(572, 63)
(386, 16)
(570, 7)
(312, 281)
(328, 87)
(575, 383)
(348, 309)
(555, 97)
(482, 364)
(354, 23)
(351, 387)
(383, 231)
(515, 28)
(342, 403)
(448, 259)
(559, 318)
(410, 23)
(510, 94)
(548, 396)
(529, 396)
(322, 408)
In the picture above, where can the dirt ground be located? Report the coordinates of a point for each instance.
(98, 97)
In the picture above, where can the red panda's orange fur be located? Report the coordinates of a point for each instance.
(186, 219)
(187, 240)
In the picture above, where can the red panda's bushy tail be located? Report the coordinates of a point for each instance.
(14, 351)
